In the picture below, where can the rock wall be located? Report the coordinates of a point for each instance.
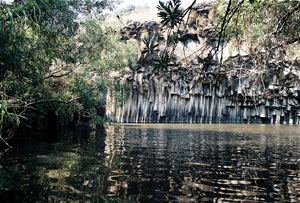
(201, 102)
(228, 88)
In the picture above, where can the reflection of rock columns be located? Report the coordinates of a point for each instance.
(114, 146)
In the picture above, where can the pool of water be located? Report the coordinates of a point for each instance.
(154, 163)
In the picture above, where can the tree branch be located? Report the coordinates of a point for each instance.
(282, 22)
(223, 25)
(57, 76)
(52, 101)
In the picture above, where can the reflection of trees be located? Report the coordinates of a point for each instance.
(68, 170)
(158, 165)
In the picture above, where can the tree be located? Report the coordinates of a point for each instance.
(270, 30)
(265, 24)
(172, 19)
(54, 60)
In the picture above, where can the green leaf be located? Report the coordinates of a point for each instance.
(24, 13)
(11, 19)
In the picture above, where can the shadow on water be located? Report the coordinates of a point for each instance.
(155, 163)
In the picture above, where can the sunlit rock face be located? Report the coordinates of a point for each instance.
(203, 87)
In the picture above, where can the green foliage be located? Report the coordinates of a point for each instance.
(174, 38)
(163, 62)
(173, 18)
(151, 47)
(52, 60)
(7, 118)
(106, 51)
(120, 91)
(170, 13)
(260, 21)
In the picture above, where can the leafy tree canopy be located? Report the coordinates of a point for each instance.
(265, 24)
(55, 57)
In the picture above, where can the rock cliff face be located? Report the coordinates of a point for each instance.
(228, 87)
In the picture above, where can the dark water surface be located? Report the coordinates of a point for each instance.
(155, 163)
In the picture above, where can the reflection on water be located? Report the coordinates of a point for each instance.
(156, 163)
